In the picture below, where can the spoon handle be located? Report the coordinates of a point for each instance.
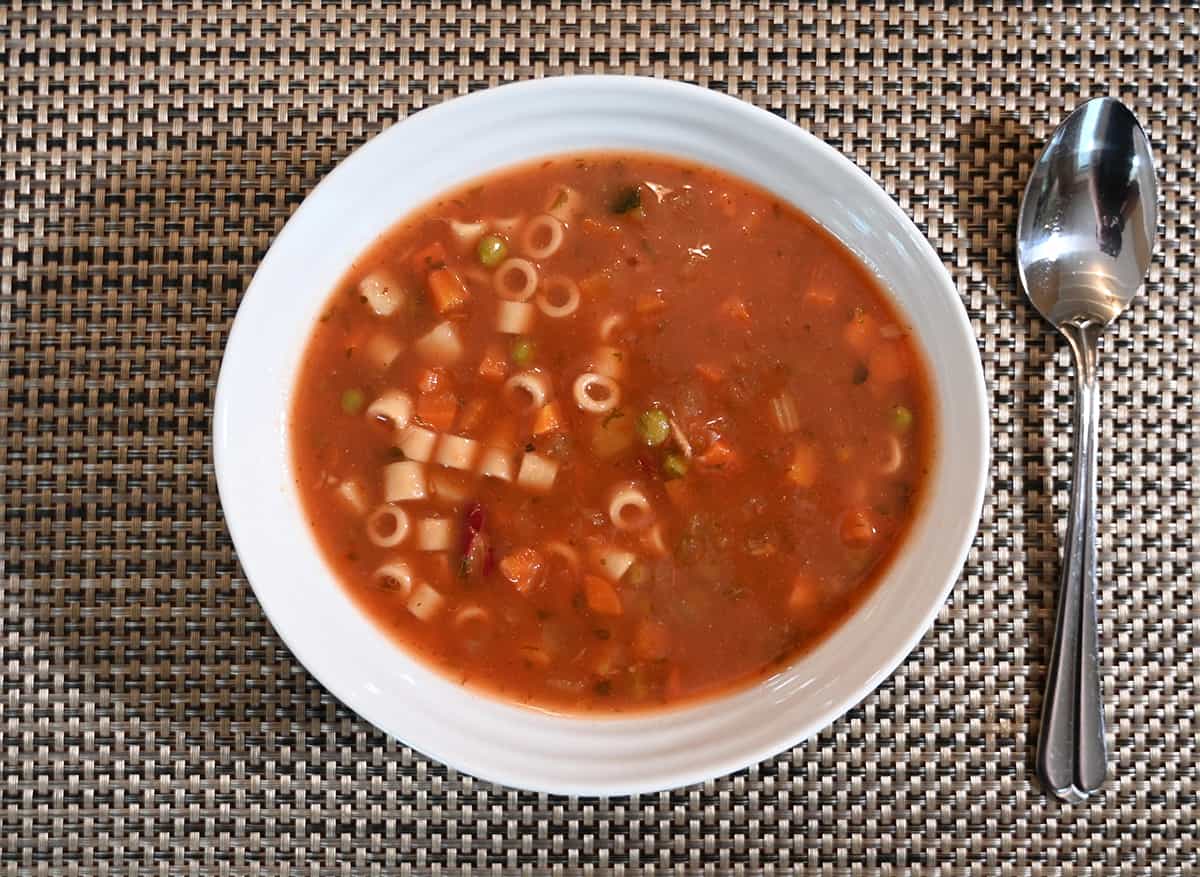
(1071, 757)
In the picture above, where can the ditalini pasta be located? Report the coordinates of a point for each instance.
(609, 432)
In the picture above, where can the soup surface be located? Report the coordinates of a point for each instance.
(608, 432)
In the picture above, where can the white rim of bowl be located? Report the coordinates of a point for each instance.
(726, 759)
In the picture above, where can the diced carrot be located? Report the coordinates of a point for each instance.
(524, 568)
(650, 303)
(651, 641)
(430, 380)
(447, 291)
(736, 309)
(601, 596)
(494, 366)
(888, 363)
(548, 419)
(714, 374)
(803, 470)
(860, 332)
(429, 258)
(595, 286)
(820, 296)
(472, 415)
(718, 456)
(858, 528)
(805, 596)
(438, 410)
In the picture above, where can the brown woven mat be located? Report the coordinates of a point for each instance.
(151, 721)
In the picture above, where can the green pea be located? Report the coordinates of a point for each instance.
(353, 401)
(492, 250)
(522, 351)
(902, 418)
(674, 466)
(653, 426)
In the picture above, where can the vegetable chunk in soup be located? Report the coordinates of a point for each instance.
(609, 432)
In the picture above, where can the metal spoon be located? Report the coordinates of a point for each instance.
(1084, 242)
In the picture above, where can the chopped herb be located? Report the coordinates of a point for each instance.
(353, 401)
(902, 418)
(603, 688)
(601, 633)
(544, 615)
(628, 200)
(860, 374)
(529, 447)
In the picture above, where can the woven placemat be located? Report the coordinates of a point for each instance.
(152, 722)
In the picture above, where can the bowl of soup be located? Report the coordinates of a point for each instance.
(600, 435)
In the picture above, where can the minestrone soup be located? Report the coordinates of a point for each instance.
(609, 432)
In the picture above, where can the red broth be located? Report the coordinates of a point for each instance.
(609, 432)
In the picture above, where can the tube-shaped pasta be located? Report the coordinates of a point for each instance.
(527, 391)
(495, 463)
(393, 406)
(425, 602)
(537, 472)
(564, 204)
(596, 393)
(394, 576)
(440, 345)
(404, 481)
(514, 317)
(613, 562)
(609, 325)
(559, 297)
(609, 361)
(561, 549)
(456, 452)
(449, 488)
(435, 534)
(785, 412)
(471, 615)
(387, 526)
(542, 237)
(893, 456)
(516, 280)
(466, 233)
(417, 443)
(354, 495)
(628, 507)
(382, 350)
(382, 292)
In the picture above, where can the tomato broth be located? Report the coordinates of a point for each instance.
(609, 431)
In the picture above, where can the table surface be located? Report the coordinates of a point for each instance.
(151, 720)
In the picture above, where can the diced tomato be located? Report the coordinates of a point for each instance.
(820, 297)
(805, 596)
(718, 456)
(860, 333)
(595, 286)
(602, 597)
(714, 374)
(447, 291)
(858, 528)
(548, 419)
(887, 363)
(525, 569)
(472, 416)
(438, 410)
(803, 470)
(494, 366)
(430, 380)
(650, 303)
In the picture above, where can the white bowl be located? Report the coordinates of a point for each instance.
(438, 149)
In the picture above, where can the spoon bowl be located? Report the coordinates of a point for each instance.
(1085, 238)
